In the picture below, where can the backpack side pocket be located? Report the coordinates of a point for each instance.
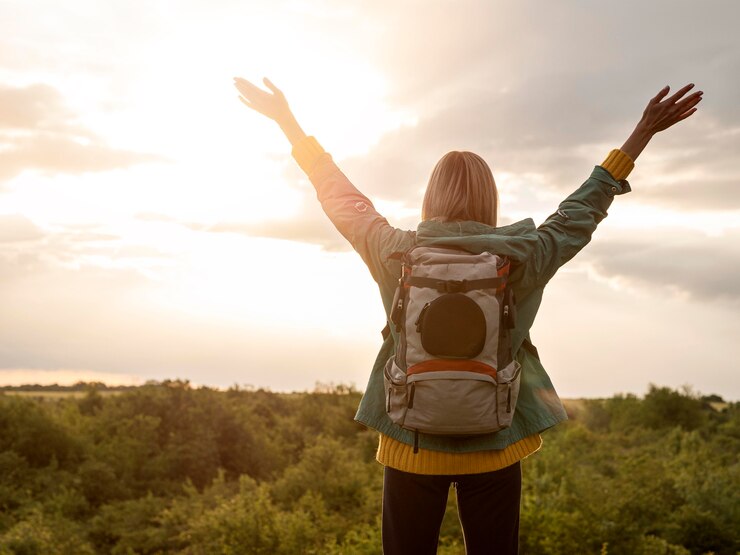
(507, 392)
(396, 398)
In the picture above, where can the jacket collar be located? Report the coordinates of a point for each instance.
(517, 240)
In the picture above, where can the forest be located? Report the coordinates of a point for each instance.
(170, 468)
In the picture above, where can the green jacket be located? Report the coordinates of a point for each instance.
(537, 253)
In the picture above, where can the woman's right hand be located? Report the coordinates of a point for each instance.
(273, 105)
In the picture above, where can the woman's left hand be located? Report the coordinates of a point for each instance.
(661, 114)
(273, 105)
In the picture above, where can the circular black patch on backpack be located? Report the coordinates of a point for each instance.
(453, 326)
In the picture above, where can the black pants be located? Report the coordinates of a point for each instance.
(488, 505)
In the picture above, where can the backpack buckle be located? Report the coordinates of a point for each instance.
(451, 286)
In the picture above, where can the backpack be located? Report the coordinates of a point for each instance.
(452, 372)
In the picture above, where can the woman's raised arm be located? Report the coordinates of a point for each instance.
(564, 233)
(351, 212)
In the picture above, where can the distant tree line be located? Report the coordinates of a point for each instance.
(77, 386)
(168, 468)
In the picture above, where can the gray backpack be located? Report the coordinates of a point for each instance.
(452, 372)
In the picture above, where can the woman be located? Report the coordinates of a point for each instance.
(460, 210)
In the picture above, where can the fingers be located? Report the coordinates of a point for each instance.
(680, 111)
(689, 101)
(673, 121)
(272, 87)
(239, 82)
(247, 88)
(682, 91)
(243, 101)
(687, 114)
(661, 93)
(253, 92)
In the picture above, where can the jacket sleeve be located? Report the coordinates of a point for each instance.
(565, 232)
(351, 212)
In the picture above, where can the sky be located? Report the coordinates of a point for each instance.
(153, 227)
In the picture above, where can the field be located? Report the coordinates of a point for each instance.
(166, 468)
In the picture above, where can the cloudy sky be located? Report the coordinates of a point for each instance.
(153, 227)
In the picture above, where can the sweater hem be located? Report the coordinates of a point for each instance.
(404, 436)
(401, 456)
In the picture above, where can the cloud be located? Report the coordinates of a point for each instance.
(16, 227)
(52, 154)
(695, 193)
(309, 225)
(542, 92)
(441, 50)
(36, 107)
(554, 99)
(112, 319)
(684, 261)
(154, 217)
(519, 140)
(53, 313)
(304, 229)
(397, 171)
(700, 173)
(38, 132)
(29, 253)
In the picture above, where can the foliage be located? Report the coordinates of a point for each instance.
(167, 468)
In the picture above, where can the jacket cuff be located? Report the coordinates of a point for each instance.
(612, 186)
(306, 152)
(618, 163)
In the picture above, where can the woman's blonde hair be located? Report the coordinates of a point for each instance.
(461, 187)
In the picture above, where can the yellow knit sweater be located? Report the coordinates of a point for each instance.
(400, 456)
